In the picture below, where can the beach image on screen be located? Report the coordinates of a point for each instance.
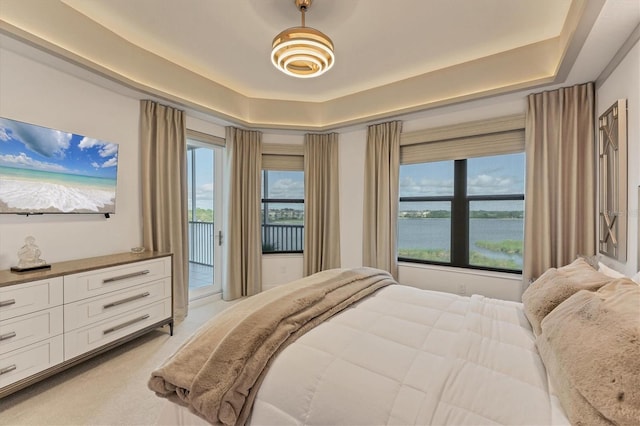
(45, 170)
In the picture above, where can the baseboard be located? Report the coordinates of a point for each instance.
(203, 300)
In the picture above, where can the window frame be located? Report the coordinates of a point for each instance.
(265, 204)
(460, 218)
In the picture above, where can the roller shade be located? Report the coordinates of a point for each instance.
(282, 157)
(503, 135)
(204, 137)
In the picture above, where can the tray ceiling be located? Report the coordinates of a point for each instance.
(392, 57)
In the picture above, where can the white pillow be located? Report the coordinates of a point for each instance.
(609, 272)
(636, 278)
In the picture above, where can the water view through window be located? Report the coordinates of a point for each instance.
(492, 206)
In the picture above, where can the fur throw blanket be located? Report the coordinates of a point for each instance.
(217, 372)
(590, 345)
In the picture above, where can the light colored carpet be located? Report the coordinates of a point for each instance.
(110, 389)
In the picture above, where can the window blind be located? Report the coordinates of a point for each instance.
(282, 157)
(204, 137)
(503, 135)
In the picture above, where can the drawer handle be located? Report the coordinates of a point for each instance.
(128, 299)
(125, 324)
(7, 336)
(7, 369)
(7, 302)
(124, 277)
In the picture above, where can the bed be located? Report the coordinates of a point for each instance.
(352, 346)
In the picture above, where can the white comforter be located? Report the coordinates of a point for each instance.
(409, 356)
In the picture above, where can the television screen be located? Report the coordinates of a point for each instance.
(45, 170)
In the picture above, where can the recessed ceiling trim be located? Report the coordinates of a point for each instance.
(580, 19)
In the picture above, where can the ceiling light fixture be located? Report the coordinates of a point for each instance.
(302, 52)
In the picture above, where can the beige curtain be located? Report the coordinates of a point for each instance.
(164, 192)
(243, 275)
(560, 210)
(382, 168)
(321, 198)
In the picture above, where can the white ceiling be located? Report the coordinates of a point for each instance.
(377, 42)
(391, 56)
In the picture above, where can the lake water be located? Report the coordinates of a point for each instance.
(434, 233)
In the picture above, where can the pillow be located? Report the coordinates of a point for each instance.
(636, 278)
(556, 285)
(609, 272)
(590, 347)
(591, 260)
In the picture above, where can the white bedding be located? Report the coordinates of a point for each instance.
(408, 356)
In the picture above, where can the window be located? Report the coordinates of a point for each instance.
(282, 211)
(465, 213)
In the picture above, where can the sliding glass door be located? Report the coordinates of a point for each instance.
(204, 168)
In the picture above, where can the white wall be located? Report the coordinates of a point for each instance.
(624, 83)
(38, 94)
(280, 269)
(351, 157)
(43, 95)
(200, 125)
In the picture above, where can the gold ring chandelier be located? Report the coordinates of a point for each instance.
(302, 52)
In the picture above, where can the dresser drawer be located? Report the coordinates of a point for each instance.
(93, 336)
(21, 363)
(18, 332)
(30, 297)
(88, 311)
(94, 283)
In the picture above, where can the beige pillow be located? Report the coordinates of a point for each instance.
(590, 346)
(555, 286)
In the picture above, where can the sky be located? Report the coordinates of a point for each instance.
(495, 175)
(283, 184)
(32, 147)
(203, 178)
(502, 174)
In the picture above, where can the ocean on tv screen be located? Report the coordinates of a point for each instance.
(45, 170)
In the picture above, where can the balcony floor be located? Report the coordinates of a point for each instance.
(200, 275)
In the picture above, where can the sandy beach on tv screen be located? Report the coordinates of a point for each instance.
(25, 196)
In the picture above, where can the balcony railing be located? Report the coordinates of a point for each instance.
(282, 238)
(275, 238)
(201, 243)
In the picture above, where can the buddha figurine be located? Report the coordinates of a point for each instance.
(29, 254)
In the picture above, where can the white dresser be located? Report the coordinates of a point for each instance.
(53, 319)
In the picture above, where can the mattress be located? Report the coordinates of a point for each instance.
(407, 356)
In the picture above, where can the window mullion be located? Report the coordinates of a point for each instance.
(460, 216)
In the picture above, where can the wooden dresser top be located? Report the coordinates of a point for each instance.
(7, 277)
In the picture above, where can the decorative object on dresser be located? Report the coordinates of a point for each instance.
(29, 257)
(53, 319)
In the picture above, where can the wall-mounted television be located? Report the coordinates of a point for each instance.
(45, 170)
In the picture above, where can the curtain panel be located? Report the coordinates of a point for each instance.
(380, 224)
(164, 192)
(560, 209)
(321, 197)
(243, 242)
